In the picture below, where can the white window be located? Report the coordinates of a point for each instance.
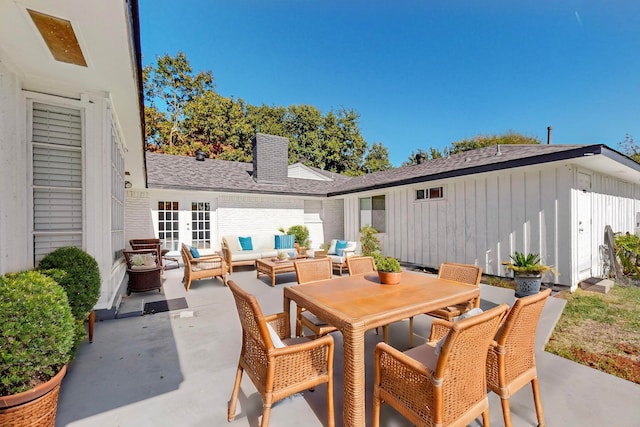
(56, 143)
(169, 225)
(200, 225)
(430, 193)
(372, 212)
(117, 195)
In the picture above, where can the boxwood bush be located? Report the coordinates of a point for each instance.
(37, 330)
(82, 278)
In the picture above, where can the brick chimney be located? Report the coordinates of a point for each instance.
(270, 158)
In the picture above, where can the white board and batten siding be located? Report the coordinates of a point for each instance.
(484, 218)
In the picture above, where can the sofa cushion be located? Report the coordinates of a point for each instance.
(194, 252)
(232, 243)
(340, 247)
(246, 255)
(332, 247)
(284, 241)
(268, 253)
(245, 243)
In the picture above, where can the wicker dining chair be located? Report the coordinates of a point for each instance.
(204, 267)
(312, 270)
(448, 388)
(464, 273)
(277, 365)
(511, 362)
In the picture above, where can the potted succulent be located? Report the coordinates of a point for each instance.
(527, 272)
(39, 333)
(389, 270)
(81, 282)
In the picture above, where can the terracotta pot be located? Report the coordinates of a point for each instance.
(35, 407)
(389, 278)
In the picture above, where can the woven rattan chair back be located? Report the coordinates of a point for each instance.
(312, 270)
(455, 392)
(361, 265)
(308, 271)
(278, 372)
(465, 273)
(511, 362)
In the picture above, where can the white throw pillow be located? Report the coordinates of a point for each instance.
(332, 247)
(275, 339)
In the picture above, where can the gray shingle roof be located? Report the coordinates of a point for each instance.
(181, 172)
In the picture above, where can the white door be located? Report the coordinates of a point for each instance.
(584, 248)
(185, 221)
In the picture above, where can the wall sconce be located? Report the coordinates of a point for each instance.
(127, 184)
(201, 155)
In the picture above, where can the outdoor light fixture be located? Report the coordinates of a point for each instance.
(201, 155)
(127, 184)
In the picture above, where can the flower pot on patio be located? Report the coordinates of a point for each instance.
(389, 278)
(527, 284)
(34, 407)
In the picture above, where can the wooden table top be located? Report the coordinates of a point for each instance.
(361, 298)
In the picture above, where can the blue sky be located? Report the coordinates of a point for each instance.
(421, 73)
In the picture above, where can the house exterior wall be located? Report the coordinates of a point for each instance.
(138, 216)
(16, 211)
(484, 218)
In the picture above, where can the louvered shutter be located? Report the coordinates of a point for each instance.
(57, 178)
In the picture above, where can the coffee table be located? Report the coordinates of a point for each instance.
(273, 266)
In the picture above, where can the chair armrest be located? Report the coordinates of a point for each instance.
(207, 258)
(312, 345)
(278, 322)
(439, 329)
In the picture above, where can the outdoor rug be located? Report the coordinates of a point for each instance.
(165, 305)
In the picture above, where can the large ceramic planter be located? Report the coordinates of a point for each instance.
(527, 284)
(36, 407)
(389, 278)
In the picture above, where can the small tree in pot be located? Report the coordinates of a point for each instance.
(527, 272)
(38, 333)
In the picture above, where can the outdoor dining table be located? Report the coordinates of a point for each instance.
(355, 304)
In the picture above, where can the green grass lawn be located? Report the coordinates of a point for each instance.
(601, 331)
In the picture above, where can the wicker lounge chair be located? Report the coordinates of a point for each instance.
(144, 270)
(278, 369)
(204, 267)
(312, 270)
(445, 389)
(511, 362)
(465, 273)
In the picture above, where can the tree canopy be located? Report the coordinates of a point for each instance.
(478, 141)
(184, 113)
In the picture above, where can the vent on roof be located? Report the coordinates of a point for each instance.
(419, 158)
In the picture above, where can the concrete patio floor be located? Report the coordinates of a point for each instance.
(177, 368)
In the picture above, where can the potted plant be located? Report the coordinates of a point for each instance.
(81, 282)
(389, 270)
(527, 272)
(39, 333)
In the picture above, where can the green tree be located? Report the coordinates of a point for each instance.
(173, 84)
(480, 141)
(376, 159)
(629, 148)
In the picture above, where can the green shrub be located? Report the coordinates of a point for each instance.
(369, 243)
(37, 330)
(386, 264)
(81, 281)
(627, 248)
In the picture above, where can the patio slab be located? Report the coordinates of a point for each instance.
(177, 368)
